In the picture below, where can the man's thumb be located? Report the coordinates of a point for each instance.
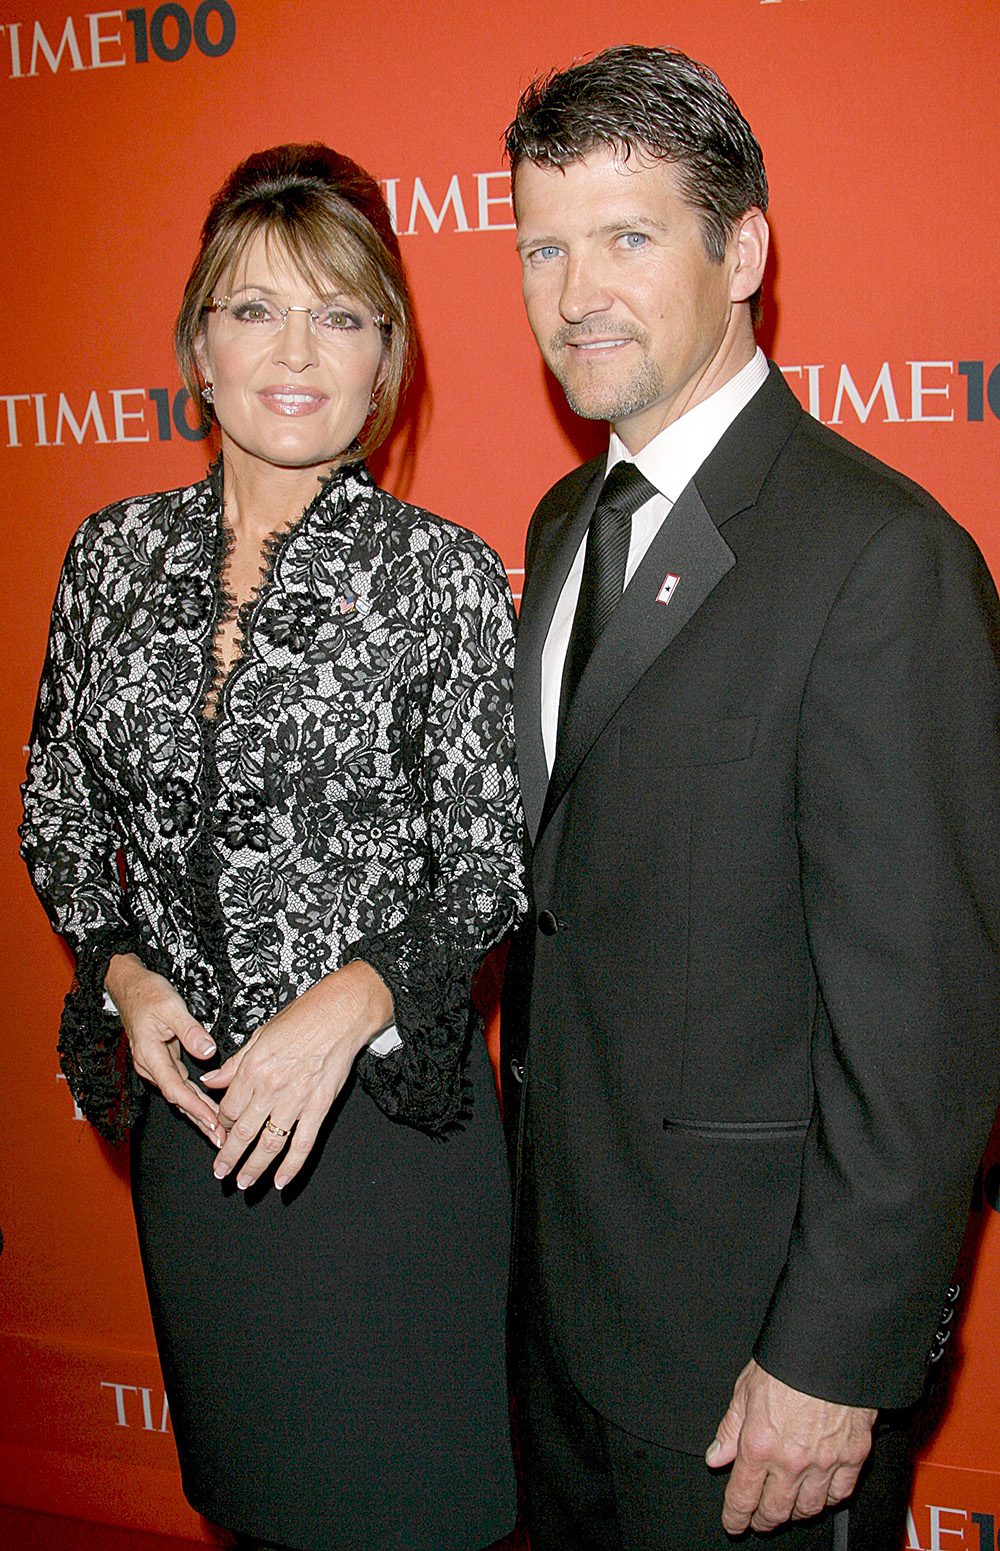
(722, 1450)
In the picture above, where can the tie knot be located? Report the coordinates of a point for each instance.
(625, 489)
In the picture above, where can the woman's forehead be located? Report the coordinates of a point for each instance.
(266, 261)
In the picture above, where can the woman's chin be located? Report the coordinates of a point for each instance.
(288, 451)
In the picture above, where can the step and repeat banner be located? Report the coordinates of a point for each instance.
(877, 119)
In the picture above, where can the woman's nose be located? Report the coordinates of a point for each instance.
(295, 343)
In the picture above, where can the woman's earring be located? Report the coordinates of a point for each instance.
(373, 405)
(208, 393)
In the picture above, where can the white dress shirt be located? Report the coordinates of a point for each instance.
(670, 461)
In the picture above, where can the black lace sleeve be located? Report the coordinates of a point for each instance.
(70, 843)
(476, 890)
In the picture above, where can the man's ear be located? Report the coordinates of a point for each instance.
(748, 247)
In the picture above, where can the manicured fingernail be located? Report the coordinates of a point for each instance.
(243, 1181)
(713, 1448)
(220, 1171)
(205, 1047)
(280, 1182)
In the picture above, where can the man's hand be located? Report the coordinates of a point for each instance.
(794, 1455)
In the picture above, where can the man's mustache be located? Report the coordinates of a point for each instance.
(572, 333)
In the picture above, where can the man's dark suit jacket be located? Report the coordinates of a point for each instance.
(757, 1008)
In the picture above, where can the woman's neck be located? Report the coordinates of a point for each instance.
(263, 498)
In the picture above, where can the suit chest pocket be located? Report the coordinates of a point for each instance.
(664, 744)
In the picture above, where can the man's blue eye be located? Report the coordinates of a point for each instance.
(635, 239)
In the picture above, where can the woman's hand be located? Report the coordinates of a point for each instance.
(290, 1071)
(158, 1026)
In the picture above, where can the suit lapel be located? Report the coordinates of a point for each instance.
(559, 538)
(688, 546)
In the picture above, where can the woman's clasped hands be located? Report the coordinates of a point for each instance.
(281, 1084)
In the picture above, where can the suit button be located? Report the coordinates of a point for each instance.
(547, 923)
(518, 1071)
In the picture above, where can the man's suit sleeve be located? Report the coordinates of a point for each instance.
(898, 812)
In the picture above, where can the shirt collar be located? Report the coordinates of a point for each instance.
(673, 457)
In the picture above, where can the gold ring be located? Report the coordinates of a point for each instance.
(274, 1130)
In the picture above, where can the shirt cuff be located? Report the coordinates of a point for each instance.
(385, 1043)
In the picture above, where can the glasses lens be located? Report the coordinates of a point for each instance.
(254, 313)
(339, 321)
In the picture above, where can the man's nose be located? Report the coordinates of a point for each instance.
(583, 291)
(295, 344)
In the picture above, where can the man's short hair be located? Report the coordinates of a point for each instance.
(655, 100)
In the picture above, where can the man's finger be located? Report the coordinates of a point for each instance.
(843, 1483)
(742, 1496)
(777, 1501)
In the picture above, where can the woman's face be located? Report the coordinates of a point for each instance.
(296, 396)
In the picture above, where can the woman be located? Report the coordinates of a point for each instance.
(270, 804)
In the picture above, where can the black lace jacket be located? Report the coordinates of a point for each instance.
(353, 797)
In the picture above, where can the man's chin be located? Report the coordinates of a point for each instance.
(609, 401)
(588, 408)
(605, 406)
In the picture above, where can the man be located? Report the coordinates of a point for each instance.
(751, 1031)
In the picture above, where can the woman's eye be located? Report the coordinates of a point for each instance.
(253, 312)
(335, 318)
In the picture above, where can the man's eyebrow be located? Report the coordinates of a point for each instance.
(536, 242)
(625, 223)
(631, 223)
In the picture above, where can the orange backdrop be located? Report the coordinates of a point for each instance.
(877, 121)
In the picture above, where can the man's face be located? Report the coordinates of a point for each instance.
(629, 311)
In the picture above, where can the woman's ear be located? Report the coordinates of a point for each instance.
(383, 368)
(201, 356)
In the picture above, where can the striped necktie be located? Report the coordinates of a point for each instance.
(603, 581)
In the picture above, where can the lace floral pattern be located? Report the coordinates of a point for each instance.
(352, 796)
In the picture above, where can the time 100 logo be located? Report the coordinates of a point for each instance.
(170, 31)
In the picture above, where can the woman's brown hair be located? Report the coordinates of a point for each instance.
(328, 215)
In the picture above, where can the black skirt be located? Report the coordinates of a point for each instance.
(334, 1353)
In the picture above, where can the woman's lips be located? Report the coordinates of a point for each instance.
(288, 400)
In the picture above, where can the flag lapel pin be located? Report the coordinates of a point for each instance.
(350, 603)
